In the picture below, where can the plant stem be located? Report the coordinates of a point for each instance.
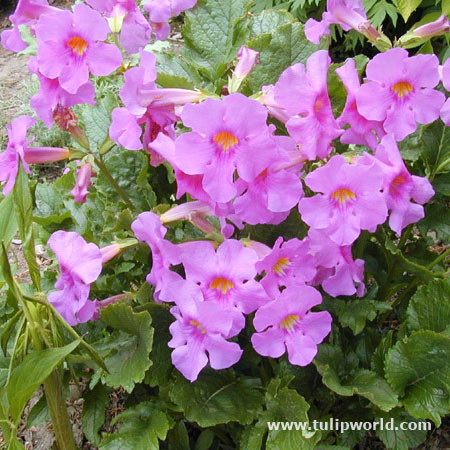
(58, 412)
(102, 166)
(439, 259)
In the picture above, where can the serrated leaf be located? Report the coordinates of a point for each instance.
(31, 373)
(398, 439)
(286, 46)
(129, 359)
(429, 308)
(417, 368)
(8, 222)
(141, 428)
(210, 34)
(268, 21)
(407, 7)
(436, 153)
(362, 382)
(49, 205)
(93, 416)
(216, 397)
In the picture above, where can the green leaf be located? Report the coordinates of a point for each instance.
(141, 427)
(93, 416)
(129, 359)
(205, 440)
(8, 222)
(171, 68)
(397, 439)
(429, 308)
(210, 34)
(217, 397)
(178, 438)
(329, 363)
(286, 46)
(436, 153)
(417, 368)
(437, 218)
(446, 7)
(268, 21)
(31, 373)
(49, 205)
(39, 413)
(23, 202)
(407, 7)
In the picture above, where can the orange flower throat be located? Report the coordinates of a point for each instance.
(77, 44)
(225, 140)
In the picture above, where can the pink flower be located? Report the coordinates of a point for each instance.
(303, 94)
(247, 59)
(135, 31)
(398, 91)
(226, 277)
(445, 111)
(287, 264)
(19, 150)
(51, 95)
(400, 187)
(350, 200)
(285, 324)
(80, 191)
(201, 327)
(347, 13)
(361, 131)
(337, 272)
(149, 229)
(80, 263)
(70, 46)
(226, 135)
(27, 13)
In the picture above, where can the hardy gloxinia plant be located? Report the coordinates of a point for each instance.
(250, 223)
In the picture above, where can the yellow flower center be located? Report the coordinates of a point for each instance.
(280, 265)
(221, 284)
(198, 325)
(289, 321)
(225, 140)
(77, 44)
(402, 88)
(343, 195)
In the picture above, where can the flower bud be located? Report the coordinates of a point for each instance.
(80, 191)
(247, 60)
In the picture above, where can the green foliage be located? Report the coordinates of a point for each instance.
(93, 416)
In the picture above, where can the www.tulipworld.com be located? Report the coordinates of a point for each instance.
(343, 426)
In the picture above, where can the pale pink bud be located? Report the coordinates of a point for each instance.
(36, 155)
(185, 211)
(80, 191)
(111, 251)
(436, 28)
(247, 60)
(169, 97)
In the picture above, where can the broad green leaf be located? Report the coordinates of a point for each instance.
(286, 46)
(176, 71)
(437, 218)
(31, 373)
(429, 308)
(436, 153)
(418, 370)
(8, 222)
(93, 416)
(141, 428)
(39, 413)
(23, 202)
(49, 205)
(268, 21)
(397, 439)
(217, 397)
(210, 34)
(407, 7)
(362, 382)
(129, 359)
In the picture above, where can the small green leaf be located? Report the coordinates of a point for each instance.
(39, 413)
(141, 427)
(407, 7)
(93, 416)
(31, 373)
(436, 154)
(178, 438)
(8, 222)
(128, 360)
(417, 369)
(205, 440)
(216, 397)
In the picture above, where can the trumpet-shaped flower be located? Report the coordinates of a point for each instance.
(226, 277)
(303, 94)
(27, 13)
(399, 91)
(287, 324)
(350, 199)
(70, 46)
(287, 264)
(226, 135)
(19, 150)
(361, 131)
(80, 263)
(445, 111)
(201, 327)
(80, 191)
(400, 187)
